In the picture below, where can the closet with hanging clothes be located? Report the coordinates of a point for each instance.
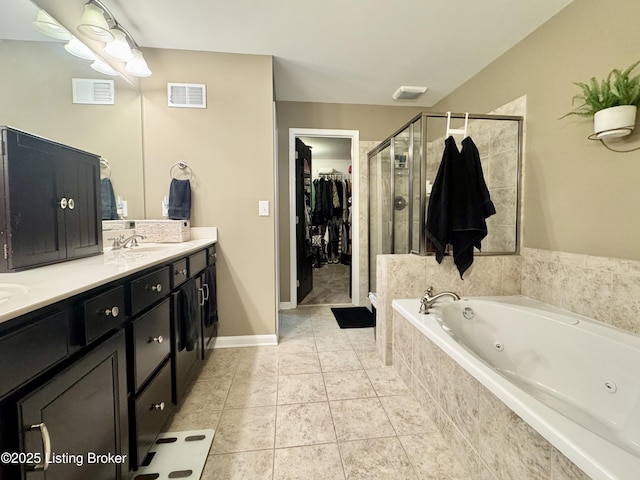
(331, 218)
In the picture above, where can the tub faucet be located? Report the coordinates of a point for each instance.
(121, 241)
(429, 299)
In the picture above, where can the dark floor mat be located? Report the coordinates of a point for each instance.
(354, 317)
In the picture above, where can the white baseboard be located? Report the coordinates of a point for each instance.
(246, 341)
(286, 306)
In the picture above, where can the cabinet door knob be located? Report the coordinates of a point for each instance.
(181, 272)
(63, 203)
(157, 288)
(157, 406)
(201, 298)
(113, 311)
(158, 339)
(206, 291)
(46, 450)
(71, 204)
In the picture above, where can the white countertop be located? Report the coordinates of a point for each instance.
(29, 290)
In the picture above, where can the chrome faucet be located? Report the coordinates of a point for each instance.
(121, 241)
(429, 299)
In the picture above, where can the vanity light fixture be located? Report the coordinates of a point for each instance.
(119, 47)
(137, 66)
(79, 49)
(94, 25)
(103, 67)
(46, 24)
(101, 39)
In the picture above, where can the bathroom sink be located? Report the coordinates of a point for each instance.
(157, 247)
(12, 290)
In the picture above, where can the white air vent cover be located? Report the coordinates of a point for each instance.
(187, 95)
(93, 91)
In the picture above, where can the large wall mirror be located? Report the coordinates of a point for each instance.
(36, 85)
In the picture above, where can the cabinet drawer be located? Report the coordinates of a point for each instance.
(152, 408)
(179, 272)
(103, 313)
(46, 344)
(197, 262)
(151, 341)
(148, 289)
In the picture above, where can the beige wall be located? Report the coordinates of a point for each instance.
(229, 147)
(579, 196)
(37, 97)
(374, 122)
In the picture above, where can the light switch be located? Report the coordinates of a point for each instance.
(263, 208)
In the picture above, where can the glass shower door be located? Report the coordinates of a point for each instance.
(380, 212)
(401, 182)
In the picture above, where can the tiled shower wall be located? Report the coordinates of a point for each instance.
(363, 197)
(497, 143)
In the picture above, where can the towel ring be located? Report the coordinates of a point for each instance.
(182, 165)
(105, 163)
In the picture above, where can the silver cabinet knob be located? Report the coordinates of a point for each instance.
(157, 288)
(181, 272)
(157, 406)
(71, 204)
(158, 339)
(113, 311)
(63, 203)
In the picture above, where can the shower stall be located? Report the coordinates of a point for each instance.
(402, 170)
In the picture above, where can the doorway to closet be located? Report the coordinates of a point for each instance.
(324, 217)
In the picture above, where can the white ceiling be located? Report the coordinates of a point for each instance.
(337, 51)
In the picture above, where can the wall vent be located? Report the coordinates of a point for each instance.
(187, 95)
(93, 91)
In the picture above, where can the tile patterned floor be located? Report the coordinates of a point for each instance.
(330, 285)
(320, 405)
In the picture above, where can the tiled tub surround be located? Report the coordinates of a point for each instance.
(487, 436)
(558, 364)
(408, 276)
(606, 289)
(603, 288)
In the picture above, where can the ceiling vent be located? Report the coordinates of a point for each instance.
(93, 91)
(187, 95)
(408, 93)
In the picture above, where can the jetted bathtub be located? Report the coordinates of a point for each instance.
(574, 380)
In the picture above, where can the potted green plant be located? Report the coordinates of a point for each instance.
(612, 102)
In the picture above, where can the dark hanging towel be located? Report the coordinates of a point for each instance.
(179, 199)
(211, 313)
(189, 321)
(459, 204)
(108, 198)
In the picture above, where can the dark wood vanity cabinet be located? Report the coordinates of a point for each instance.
(99, 373)
(50, 208)
(82, 411)
(210, 307)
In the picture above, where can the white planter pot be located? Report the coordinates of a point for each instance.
(615, 121)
